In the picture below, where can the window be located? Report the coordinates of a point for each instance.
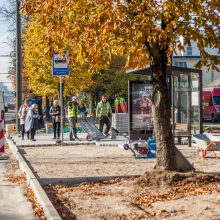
(180, 64)
(189, 51)
(216, 100)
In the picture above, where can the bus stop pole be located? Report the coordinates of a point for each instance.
(18, 63)
(61, 106)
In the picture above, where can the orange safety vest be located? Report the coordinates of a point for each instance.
(122, 105)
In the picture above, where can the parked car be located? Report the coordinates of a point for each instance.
(211, 104)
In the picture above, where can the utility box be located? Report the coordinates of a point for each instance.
(120, 122)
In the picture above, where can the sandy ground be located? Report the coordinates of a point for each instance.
(210, 164)
(75, 161)
(67, 162)
(118, 199)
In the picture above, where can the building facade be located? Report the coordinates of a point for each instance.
(191, 56)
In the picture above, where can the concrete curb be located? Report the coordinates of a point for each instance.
(80, 180)
(56, 144)
(101, 143)
(49, 210)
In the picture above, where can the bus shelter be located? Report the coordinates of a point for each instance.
(185, 92)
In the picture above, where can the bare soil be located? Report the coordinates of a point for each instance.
(155, 195)
(80, 161)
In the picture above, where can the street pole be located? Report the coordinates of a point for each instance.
(61, 106)
(18, 63)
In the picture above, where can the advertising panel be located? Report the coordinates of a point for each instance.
(140, 108)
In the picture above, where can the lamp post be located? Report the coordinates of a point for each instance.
(18, 63)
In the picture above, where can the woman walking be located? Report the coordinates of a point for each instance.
(31, 121)
(22, 113)
(55, 113)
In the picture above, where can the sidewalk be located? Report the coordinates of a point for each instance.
(13, 203)
(47, 140)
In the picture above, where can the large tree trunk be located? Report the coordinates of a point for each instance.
(166, 157)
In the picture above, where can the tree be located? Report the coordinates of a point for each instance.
(8, 13)
(38, 63)
(144, 31)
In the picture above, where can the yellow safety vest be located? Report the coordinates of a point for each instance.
(73, 111)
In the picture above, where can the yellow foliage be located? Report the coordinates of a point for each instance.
(93, 30)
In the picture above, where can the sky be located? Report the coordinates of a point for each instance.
(4, 48)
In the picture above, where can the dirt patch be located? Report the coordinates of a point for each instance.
(186, 197)
(84, 161)
(78, 161)
(152, 196)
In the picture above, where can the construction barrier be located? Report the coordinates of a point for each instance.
(2, 136)
(10, 129)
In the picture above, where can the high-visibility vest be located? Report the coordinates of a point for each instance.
(121, 102)
(72, 111)
(101, 108)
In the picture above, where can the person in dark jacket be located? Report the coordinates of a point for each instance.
(83, 111)
(55, 114)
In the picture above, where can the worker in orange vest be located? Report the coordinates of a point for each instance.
(120, 105)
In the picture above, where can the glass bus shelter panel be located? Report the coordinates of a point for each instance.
(195, 97)
(182, 105)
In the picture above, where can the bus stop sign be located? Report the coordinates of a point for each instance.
(60, 65)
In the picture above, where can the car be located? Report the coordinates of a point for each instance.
(211, 104)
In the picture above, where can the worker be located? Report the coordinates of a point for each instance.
(120, 105)
(104, 113)
(73, 108)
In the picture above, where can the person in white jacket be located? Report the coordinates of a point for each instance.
(22, 113)
(31, 121)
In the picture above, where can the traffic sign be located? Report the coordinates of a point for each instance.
(60, 65)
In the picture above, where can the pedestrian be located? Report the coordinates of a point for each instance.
(83, 111)
(31, 121)
(104, 113)
(55, 111)
(120, 104)
(22, 113)
(73, 110)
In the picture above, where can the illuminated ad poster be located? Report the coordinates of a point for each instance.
(140, 104)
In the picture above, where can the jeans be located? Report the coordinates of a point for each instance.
(33, 132)
(56, 129)
(23, 132)
(73, 131)
(33, 129)
(104, 121)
